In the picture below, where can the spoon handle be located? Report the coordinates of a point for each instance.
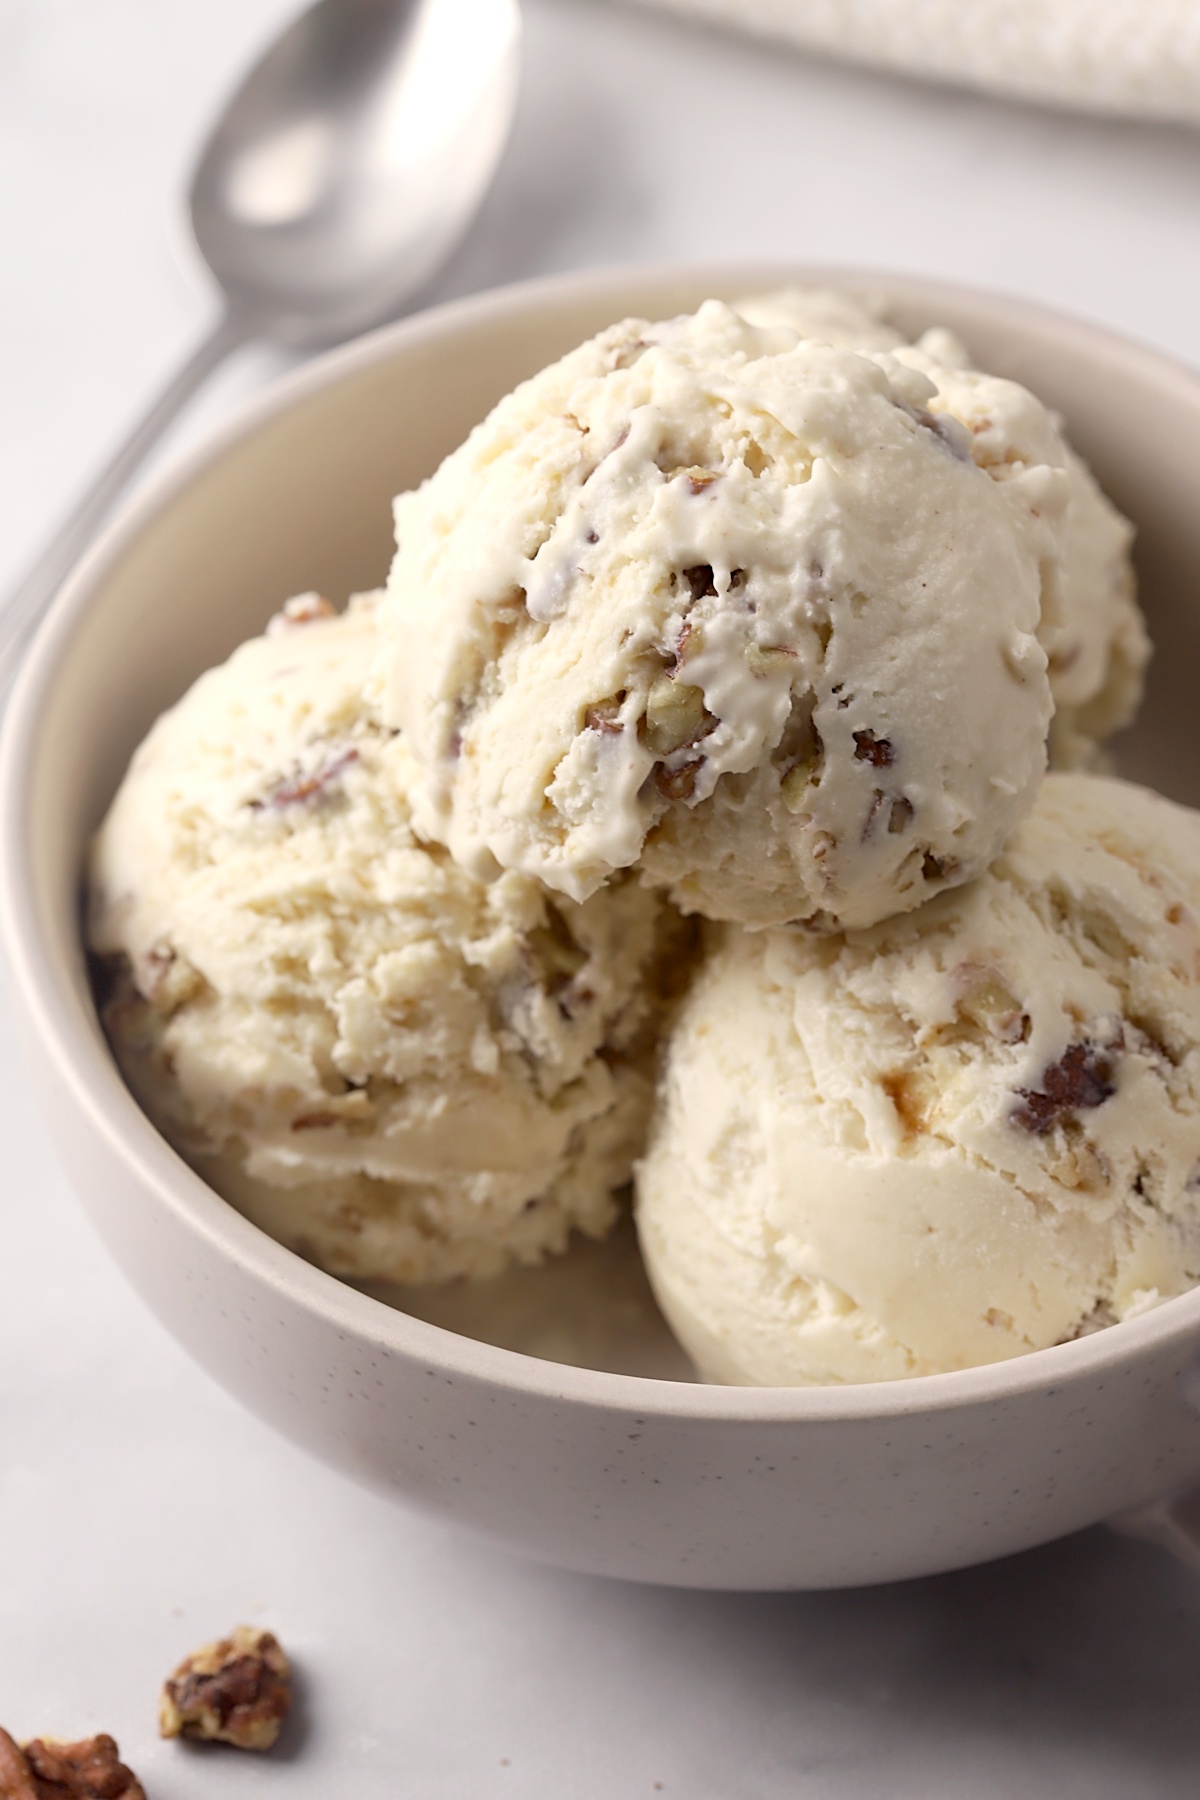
(30, 598)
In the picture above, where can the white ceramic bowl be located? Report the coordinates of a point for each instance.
(658, 1480)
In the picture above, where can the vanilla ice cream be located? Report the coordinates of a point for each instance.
(967, 1133)
(389, 1066)
(740, 608)
(1098, 654)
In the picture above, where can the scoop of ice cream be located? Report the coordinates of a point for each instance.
(386, 1064)
(966, 1133)
(738, 607)
(1099, 653)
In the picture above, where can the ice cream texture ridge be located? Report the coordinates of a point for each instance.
(387, 1064)
(738, 607)
(968, 1132)
(678, 816)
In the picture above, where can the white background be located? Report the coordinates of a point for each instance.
(140, 1509)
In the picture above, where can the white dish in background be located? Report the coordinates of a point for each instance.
(618, 1467)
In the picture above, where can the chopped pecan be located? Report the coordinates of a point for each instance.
(688, 643)
(768, 659)
(301, 609)
(675, 716)
(796, 783)
(874, 750)
(1082, 1078)
(616, 445)
(700, 579)
(169, 979)
(878, 801)
(948, 431)
(805, 755)
(988, 1004)
(46, 1769)
(16, 1780)
(354, 1108)
(699, 479)
(604, 716)
(625, 354)
(296, 790)
(235, 1691)
(910, 1092)
(678, 784)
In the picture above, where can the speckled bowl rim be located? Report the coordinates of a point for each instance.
(69, 1035)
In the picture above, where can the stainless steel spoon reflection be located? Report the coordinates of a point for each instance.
(339, 177)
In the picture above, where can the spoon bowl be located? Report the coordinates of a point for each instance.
(351, 159)
(342, 172)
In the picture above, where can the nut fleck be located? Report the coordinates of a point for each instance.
(794, 787)
(700, 579)
(630, 351)
(298, 789)
(605, 716)
(678, 784)
(768, 659)
(874, 750)
(235, 1691)
(353, 1108)
(913, 1096)
(989, 1006)
(689, 643)
(1082, 1078)
(676, 716)
(169, 980)
(47, 1769)
(301, 609)
(937, 868)
(700, 479)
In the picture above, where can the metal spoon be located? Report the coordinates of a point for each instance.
(342, 172)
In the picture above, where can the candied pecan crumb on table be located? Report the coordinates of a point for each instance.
(16, 1782)
(47, 1769)
(234, 1691)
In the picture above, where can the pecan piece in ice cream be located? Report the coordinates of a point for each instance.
(741, 529)
(1079, 1080)
(301, 609)
(1098, 646)
(47, 1769)
(235, 1691)
(969, 1132)
(378, 1057)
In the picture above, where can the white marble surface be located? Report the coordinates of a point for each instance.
(140, 1508)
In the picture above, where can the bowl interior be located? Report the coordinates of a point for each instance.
(297, 495)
